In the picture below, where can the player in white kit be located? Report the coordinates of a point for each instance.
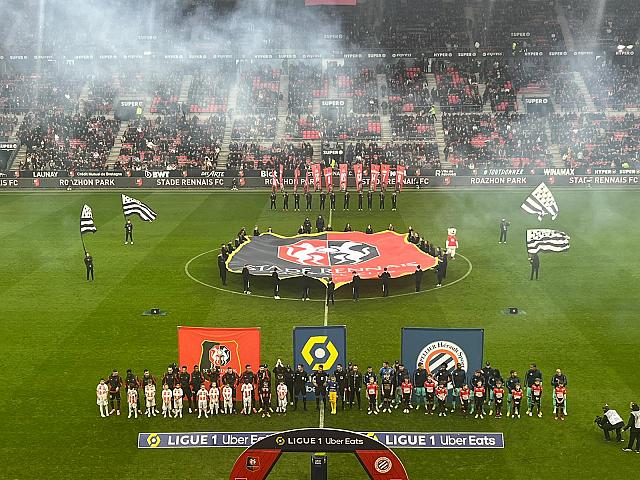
(177, 400)
(167, 396)
(132, 401)
(150, 396)
(281, 392)
(203, 402)
(214, 399)
(247, 396)
(227, 400)
(102, 398)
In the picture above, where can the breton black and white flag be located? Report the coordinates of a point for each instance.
(131, 206)
(86, 221)
(547, 240)
(541, 202)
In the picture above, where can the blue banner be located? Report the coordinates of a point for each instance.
(315, 346)
(390, 439)
(434, 347)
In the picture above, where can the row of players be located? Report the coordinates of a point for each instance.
(395, 389)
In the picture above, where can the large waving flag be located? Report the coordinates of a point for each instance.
(131, 206)
(541, 202)
(546, 240)
(86, 221)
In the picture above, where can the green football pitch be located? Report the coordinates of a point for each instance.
(59, 334)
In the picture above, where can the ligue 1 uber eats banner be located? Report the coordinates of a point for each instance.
(434, 347)
(315, 346)
(219, 347)
(330, 255)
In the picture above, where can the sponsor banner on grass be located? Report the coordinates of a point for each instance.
(219, 347)
(416, 440)
(330, 255)
(319, 346)
(437, 347)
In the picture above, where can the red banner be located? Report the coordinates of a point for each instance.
(306, 182)
(274, 181)
(343, 176)
(357, 170)
(219, 347)
(281, 176)
(375, 173)
(384, 172)
(328, 178)
(317, 176)
(401, 172)
(296, 179)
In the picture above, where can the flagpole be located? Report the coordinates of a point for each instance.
(82, 239)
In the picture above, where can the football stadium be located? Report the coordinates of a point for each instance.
(319, 239)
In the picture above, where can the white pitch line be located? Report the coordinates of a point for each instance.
(326, 322)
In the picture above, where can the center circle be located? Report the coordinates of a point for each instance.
(234, 292)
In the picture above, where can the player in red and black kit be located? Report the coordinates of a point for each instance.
(560, 394)
(498, 398)
(516, 400)
(265, 398)
(536, 397)
(185, 380)
(441, 395)
(372, 395)
(465, 397)
(478, 399)
(115, 383)
(430, 393)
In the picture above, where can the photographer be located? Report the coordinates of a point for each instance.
(634, 425)
(611, 420)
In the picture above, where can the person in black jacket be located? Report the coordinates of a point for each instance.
(440, 270)
(307, 225)
(245, 280)
(369, 230)
(128, 232)
(273, 201)
(88, 263)
(360, 198)
(394, 201)
(534, 260)
(306, 285)
(300, 379)
(418, 277)
(385, 276)
(320, 224)
(354, 385)
(369, 199)
(504, 226)
(222, 266)
(331, 287)
(276, 285)
(345, 204)
(323, 199)
(382, 200)
(309, 199)
(634, 425)
(296, 201)
(355, 285)
(332, 200)
(341, 379)
(285, 202)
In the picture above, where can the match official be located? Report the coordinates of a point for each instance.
(222, 266)
(331, 288)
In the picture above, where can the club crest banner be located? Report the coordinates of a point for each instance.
(330, 255)
(435, 347)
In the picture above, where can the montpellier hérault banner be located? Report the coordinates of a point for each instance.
(435, 347)
(315, 346)
(330, 255)
(219, 347)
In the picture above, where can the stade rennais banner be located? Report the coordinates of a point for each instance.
(219, 347)
(435, 347)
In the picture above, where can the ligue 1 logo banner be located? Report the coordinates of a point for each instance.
(315, 346)
(434, 347)
(222, 348)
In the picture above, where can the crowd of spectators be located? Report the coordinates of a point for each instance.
(593, 139)
(254, 127)
(457, 87)
(306, 82)
(101, 94)
(165, 90)
(8, 123)
(358, 82)
(613, 86)
(57, 141)
(172, 142)
(413, 126)
(209, 90)
(500, 140)
(408, 88)
(259, 90)
(419, 154)
(253, 156)
(20, 93)
(500, 91)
